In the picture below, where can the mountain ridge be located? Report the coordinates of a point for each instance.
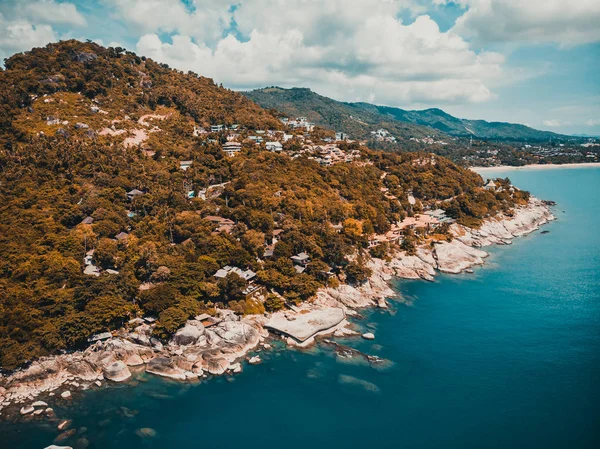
(413, 123)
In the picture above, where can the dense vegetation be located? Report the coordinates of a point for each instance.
(57, 178)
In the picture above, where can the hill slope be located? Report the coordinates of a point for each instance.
(358, 119)
(99, 222)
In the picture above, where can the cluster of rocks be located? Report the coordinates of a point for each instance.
(193, 351)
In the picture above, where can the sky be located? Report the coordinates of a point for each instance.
(535, 62)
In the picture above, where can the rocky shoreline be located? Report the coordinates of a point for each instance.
(198, 350)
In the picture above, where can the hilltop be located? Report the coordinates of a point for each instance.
(129, 189)
(358, 119)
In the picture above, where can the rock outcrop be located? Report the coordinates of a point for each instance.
(302, 326)
(117, 371)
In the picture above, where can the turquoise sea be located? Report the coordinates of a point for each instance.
(506, 357)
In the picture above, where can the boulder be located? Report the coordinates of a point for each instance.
(65, 394)
(236, 367)
(165, 367)
(146, 432)
(117, 371)
(39, 404)
(64, 424)
(215, 365)
(368, 336)
(189, 334)
(26, 410)
(454, 257)
(83, 370)
(254, 360)
(305, 325)
(65, 435)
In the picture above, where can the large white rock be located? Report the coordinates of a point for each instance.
(189, 334)
(117, 371)
(167, 367)
(454, 257)
(26, 410)
(304, 325)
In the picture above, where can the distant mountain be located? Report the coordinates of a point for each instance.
(358, 119)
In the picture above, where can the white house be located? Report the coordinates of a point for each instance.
(274, 146)
(490, 185)
(244, 274)
(232, 148)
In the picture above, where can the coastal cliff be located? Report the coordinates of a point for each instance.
(197, 350)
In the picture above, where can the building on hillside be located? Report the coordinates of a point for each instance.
(276, 234)
(133, 194)
(184, 165)
(198, 130)
(216, 128)
(232, 148)
(269, 252)
(244, 274)
(337, 227)
(301, 259)
(274, 146)
(490, 185)
(219, 221)
(223, 224)
(256, 139)
(122, 236)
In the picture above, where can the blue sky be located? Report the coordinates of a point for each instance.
(533, 62)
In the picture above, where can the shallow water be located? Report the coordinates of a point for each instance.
(506, 357)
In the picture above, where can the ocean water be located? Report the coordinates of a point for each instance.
(506, 357)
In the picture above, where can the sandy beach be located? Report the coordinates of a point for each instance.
(534, 167)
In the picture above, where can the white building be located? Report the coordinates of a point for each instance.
(232, 148)
(274, 146)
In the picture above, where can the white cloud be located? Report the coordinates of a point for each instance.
(20, 35)
(565, 22)
(205, 20)
(593, 122)
(48, 12)
(355, 50)
(554, 123)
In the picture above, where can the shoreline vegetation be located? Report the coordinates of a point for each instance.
(535, 167)
(213, 346)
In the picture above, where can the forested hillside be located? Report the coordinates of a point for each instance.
(106, 211)
(358, 119)
(351, 118)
